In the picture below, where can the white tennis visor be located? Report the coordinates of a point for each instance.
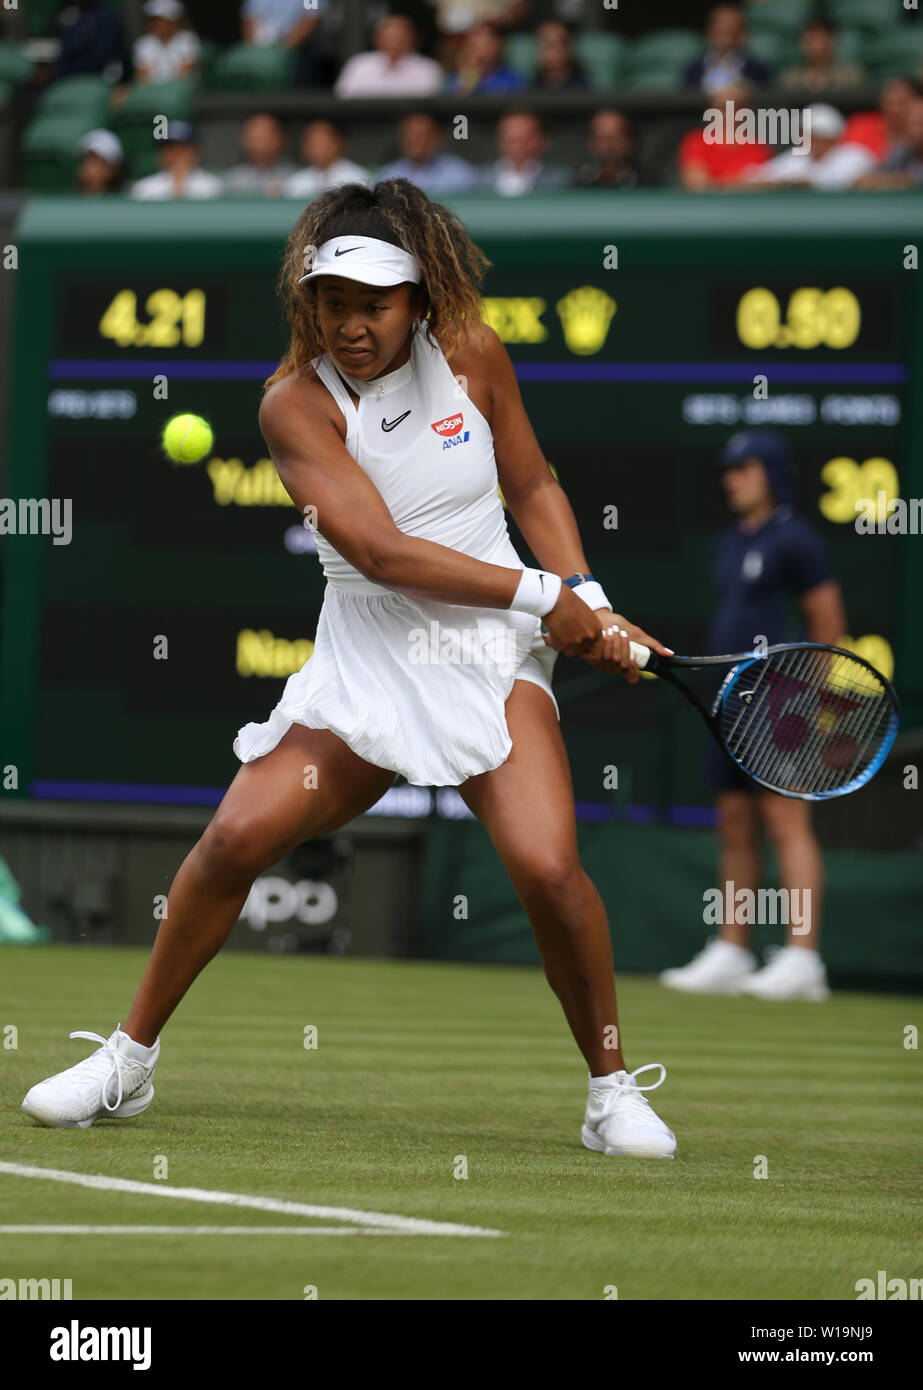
(365, 259)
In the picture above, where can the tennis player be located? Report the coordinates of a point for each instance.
(391, 418)
(768, 560)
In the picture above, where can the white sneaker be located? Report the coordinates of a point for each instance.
(110, 1083)
(792, 973)
(719, 968)
(619, 1119)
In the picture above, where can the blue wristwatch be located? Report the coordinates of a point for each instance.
(576, 579)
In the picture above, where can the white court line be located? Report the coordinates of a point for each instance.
(196, 1231)
(400, 1225)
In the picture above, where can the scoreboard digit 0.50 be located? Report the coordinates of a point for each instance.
(644, 331)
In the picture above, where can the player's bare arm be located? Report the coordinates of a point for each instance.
(306, 442)
(537, 501)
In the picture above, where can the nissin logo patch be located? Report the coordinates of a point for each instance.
(450, 425)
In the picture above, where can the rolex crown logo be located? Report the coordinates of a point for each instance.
(585, 315)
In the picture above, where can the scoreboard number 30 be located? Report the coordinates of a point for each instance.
(173, 320)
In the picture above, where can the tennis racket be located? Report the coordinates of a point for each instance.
(802, 719)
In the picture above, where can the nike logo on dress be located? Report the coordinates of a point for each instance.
(345, 250)
(392, 424)
(541, 580)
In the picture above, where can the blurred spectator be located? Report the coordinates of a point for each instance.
(611, 147)
(425, 162)
(92, 40)
(395, 68)
(521, 141)
(102, 163)
(322, 152)
(288, 23)
(167, 50)
(819, 72)
(558, 69)
(265, 170)
(904, 168)
(726, 60)
(181, 175)
(481, 69)
(704, 162)
(884, 131)
(827, 160)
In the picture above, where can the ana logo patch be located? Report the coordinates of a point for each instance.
(449, 426)
(752, 566)
(457, 439)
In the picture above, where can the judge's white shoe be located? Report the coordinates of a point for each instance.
(112, 1083)
(792, 973)
(719, 968)
(619, 1119)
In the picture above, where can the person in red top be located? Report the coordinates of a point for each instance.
(884, 131)
(704, 162)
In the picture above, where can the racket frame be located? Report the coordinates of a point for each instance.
(740, 662)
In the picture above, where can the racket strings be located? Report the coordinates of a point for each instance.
(806, 720)
(804, 699)
(803, 724)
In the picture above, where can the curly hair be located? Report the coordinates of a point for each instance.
(397, 211)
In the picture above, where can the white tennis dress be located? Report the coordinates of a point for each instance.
(415, 685)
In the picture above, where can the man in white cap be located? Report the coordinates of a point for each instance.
(101, 162)
(167, 50)
(825, 161)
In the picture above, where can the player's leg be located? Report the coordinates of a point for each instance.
(797, 971)
(272, 805)
(725, 962)
(527, 807)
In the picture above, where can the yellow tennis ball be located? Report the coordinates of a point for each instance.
(187, 438)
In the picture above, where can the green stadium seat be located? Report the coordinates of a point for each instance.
(895, 54)
(872, 16)
(78, 96)
(173, 99)
(134, 121)
(14, 65)
(603, 57)
(247, 67)
(50, 150)
(657, 60)
(520, 52)
(775, 49)
(851, 47)
(778, 16)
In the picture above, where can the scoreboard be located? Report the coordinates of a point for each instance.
(644, 330)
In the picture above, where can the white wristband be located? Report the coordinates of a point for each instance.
(592, 593)
(537, 592)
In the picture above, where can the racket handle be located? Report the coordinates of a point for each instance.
(641, 655)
